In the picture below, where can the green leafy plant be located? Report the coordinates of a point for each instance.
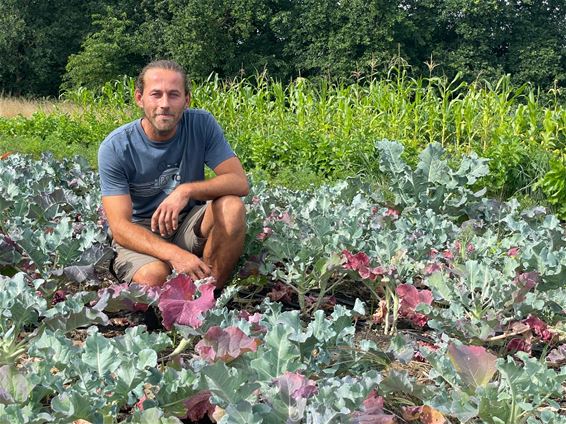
(522, 393)
(554, 186)
(19, 307)
(51, 216)
(470, 288)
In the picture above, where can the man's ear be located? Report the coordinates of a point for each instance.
(138, 97)
(188, 101)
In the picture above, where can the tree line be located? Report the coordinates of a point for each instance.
(50, 45)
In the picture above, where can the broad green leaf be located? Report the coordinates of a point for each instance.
(138, 338)
(229, 385)
(19, 302)
(397, 382)
(176, 386)
(54, 347)
(402, 348)
(432, 168)
(146, 358)
(276, 355)
(11, 413)
(14, 386)
(322, 328)
(321, 414)
(128, 377)
(100, 355)
(240, 413)
(155, 416)
(335, 330)
(346, 392)
(473, 168)
(291, 320)
(72, 405)
(85, 317)
(455, 403)
(390, 157)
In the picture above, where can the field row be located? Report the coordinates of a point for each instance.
(318, 131)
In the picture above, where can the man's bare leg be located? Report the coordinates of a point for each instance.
(224, 224)
(225, 227)
(152, 274)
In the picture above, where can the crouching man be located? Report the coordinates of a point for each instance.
(162, 213)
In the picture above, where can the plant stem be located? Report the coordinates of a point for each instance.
(183, 344)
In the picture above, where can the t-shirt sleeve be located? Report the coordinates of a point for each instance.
(113, 180)
(217, 149)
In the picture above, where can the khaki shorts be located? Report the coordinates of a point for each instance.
(127, 262)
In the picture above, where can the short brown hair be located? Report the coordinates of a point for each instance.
(163, 64)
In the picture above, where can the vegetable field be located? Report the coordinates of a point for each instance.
(416, 300)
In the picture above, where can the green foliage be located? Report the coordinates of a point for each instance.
(330, 129)
(116, 96)
(316, 131)
(492, 38)
(351, 41)
(63, 135)
(14, 25)
(443, 235)
(92, 43)
(433, 185)
(110, 374)
(524, 387)
(20, 307)
(229, 38)
(36, 40)
(107, 54)
(553, 184)
(340, 39)
(498, 274)
(51, 222)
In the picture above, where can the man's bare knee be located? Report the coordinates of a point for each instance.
(152, 274)
(229, 214)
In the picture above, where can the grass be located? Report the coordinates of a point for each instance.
(11, 107)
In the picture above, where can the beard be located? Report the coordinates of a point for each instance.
(161, 125)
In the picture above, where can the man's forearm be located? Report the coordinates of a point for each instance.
(140, 239)
(218, 186)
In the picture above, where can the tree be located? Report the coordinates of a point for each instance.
(225, 37)
(36, 39)
(12, 49)
(101, 40)
(537, 51)
(339, 37)
(110, 52)
(229, 37)
(489, 38)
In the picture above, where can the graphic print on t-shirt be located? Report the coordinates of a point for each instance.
(166, 182)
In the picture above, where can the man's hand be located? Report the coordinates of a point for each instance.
(165, 219)
(230, 179)
(191, 265)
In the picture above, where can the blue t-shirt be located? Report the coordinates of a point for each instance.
(130, 163)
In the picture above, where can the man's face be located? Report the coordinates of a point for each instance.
(163, 101)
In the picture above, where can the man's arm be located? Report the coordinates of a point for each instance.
(118, 210)
(230, 179)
